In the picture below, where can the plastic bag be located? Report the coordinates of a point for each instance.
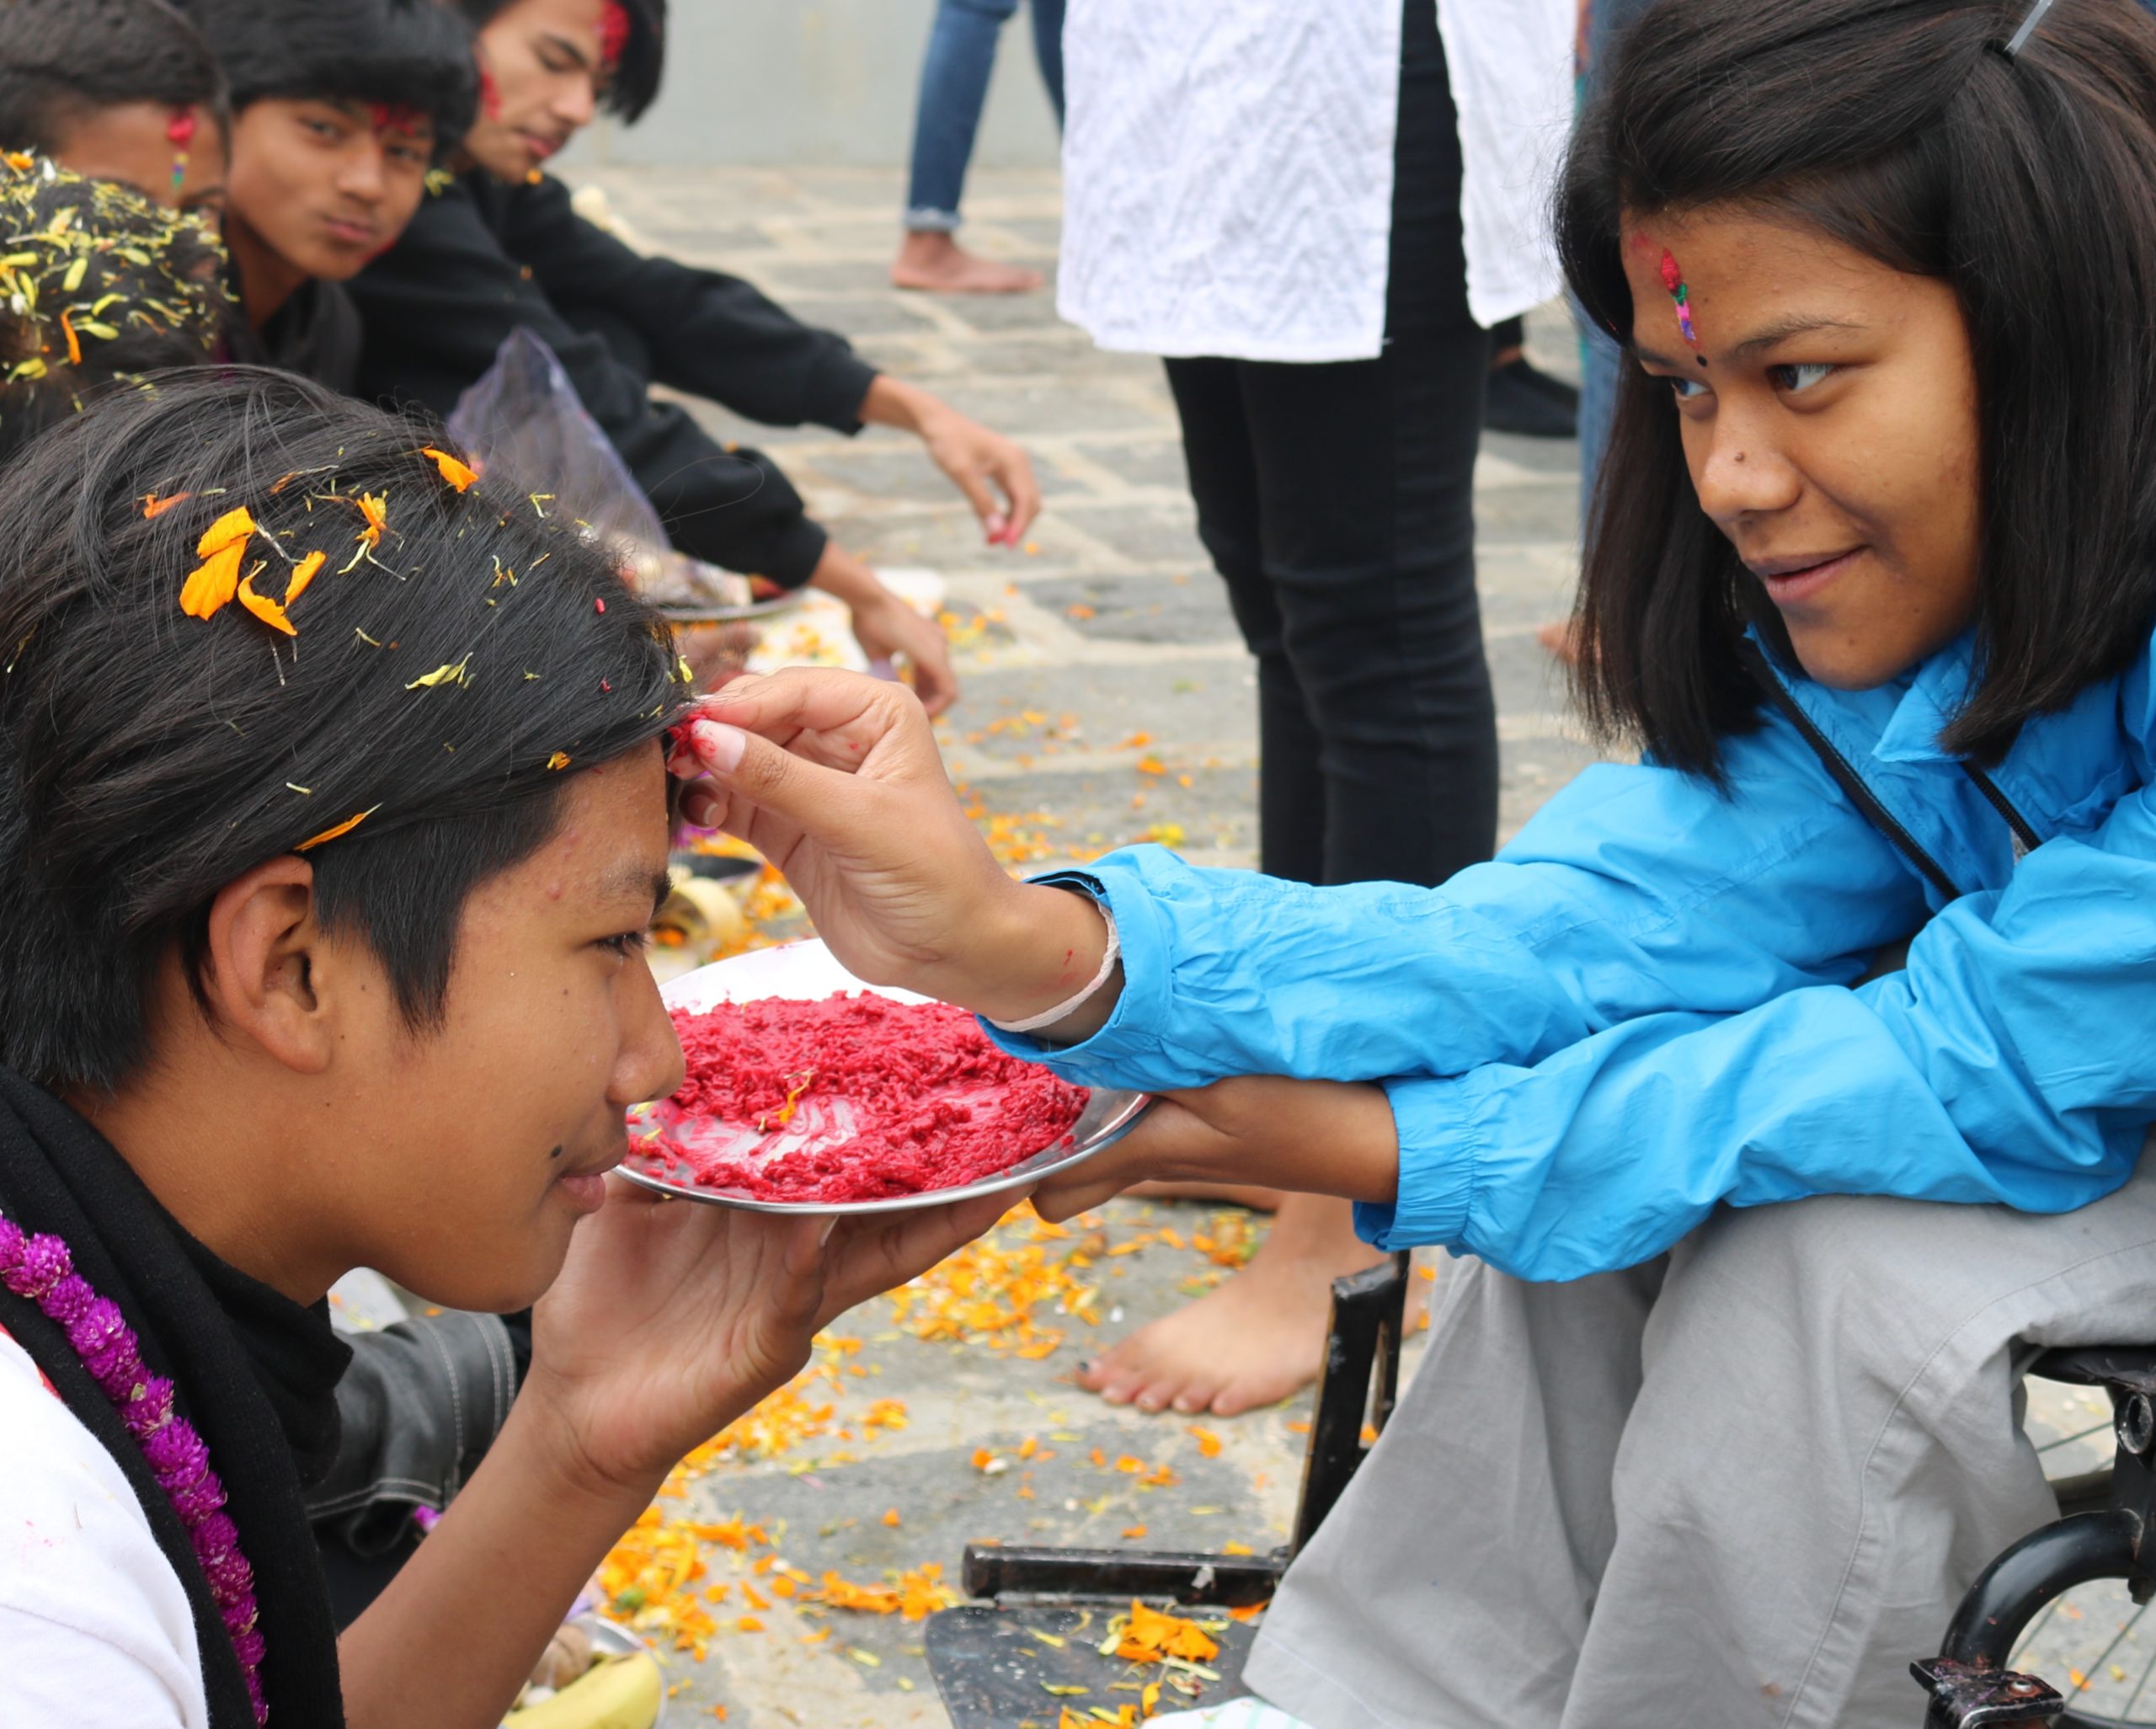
(522, 420)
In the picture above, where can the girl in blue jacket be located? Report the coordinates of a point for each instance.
(1785, 1088)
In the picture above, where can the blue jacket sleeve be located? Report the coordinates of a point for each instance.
(1635, 890)
(2010, 1061)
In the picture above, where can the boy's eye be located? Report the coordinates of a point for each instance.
(1801, 376)
(626, 944)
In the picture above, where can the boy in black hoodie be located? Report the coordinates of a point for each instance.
(501, 249)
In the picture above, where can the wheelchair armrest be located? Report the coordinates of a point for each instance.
(2131, 1369)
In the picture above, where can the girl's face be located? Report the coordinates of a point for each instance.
(544, 69)
(1827, 406)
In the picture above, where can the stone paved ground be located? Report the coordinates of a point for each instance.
(1110, 625)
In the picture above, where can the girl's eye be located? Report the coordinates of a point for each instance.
(1687, 390)
(1801, 376)
(628, 943)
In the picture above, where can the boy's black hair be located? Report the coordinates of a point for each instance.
(1899, 128)
(449, 684)
(403, 53)
(102, 284)
(634, 86)
(61, 59)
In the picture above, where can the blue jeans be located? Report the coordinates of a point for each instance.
(953, 86)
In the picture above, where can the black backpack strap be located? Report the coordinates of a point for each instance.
(1845, 776)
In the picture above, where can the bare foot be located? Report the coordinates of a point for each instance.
(1239, 1194)
(1257, 1339)
(1561, 640)
(935, 261)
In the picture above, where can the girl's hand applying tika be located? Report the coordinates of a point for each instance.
(835, 778)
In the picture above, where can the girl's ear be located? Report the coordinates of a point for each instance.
(263, 971)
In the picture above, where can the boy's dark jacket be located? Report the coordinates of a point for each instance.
(481, 258)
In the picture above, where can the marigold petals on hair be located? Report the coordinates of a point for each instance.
(559, 759)
(211, 586)
(345, 827)
(457, 473)
(375, 507)
(303, 573)
(263, 608)
(450, 672)
(230, 529)
(154, 507)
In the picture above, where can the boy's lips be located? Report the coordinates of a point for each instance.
(347, 233)
(586, 1184)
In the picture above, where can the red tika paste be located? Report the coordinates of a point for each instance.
(854, 1098)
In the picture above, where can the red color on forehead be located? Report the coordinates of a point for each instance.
(395, 117)
(1672, 279)
(613, 32)
(180, 128)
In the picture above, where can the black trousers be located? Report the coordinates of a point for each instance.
(1337, 502)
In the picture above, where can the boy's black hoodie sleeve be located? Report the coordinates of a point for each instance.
(480, 259)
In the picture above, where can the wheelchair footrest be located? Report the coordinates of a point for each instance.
(1964, 1696)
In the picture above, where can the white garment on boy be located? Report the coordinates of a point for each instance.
(95, 1631)
(1227, 167)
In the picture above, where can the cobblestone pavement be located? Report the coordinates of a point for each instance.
(1110, 626)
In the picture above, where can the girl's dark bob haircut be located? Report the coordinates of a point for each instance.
(1901, 128)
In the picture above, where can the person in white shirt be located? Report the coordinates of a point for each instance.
(1314, 213)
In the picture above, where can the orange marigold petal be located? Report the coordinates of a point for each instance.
(154, 507)
(304, 573)
(230, 529)
(560, 758)
(457, 473)
(345, 827)
(264, 608)
(211, 586)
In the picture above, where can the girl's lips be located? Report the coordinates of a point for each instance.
(1793, 588)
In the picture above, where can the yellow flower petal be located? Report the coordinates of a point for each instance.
(211, 585)
(345, 827)
(304, 575)
(457, 473)
(263, 608)
(230, 529)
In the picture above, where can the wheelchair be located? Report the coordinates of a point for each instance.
(2104, 1520)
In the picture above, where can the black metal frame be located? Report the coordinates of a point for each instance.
(2106, 1516)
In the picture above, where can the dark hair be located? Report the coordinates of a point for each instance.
(113, 286)
(409, 53)
(442, 686)
(1899, 128)
(61, 59)
(634, 86)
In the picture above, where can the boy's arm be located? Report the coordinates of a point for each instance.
(436, 309)
(707, 333)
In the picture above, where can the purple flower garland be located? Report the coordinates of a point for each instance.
(40, 1268)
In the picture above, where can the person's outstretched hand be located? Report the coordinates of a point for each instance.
(835, 778)
(670, 1319)
(982, 464)
(887, 628)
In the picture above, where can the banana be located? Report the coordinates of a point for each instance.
(620, 1693)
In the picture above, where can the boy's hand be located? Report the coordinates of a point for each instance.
(889, 627)
(670, 1319)
(1317, 1137)
(981, 463)
(835, 779)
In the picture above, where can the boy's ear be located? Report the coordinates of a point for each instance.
(259, 971)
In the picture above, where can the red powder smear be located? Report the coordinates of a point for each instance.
(613, 32)
(854, 1098)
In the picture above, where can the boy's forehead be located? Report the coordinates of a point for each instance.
(610, 841)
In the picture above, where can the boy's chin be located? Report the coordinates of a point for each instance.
(492, 1277)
